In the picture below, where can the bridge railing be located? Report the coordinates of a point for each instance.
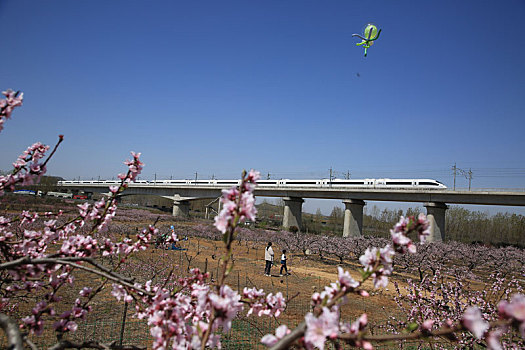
(488, 189)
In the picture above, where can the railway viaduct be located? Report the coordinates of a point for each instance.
(435, 201)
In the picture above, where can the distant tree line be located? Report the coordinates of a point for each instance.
(462, 225)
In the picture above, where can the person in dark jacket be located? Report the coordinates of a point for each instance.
(283, 264)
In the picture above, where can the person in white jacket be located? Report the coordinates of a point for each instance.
(268, 256)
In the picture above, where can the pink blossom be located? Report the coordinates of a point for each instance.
(346, 280)
(83, 209)
(72, 326)
(134, 166)
(120, 293)
(402, 225)
(364, 293)
(234, 207)
(369, 259)
(13, 99)
(515, 309)
(222, 221)
(276, 303)
(280, 332)
(256, 300)
(251, 180)
(326, 295)
(379, 263)
(423, 227)
(402, 243)
(86, 291)
(362, 321)
(380, 279)
(427, 325)
(320, 328)
(248, 210)
(386, 254)
(227, 304)
(474, 322)
(493, 339)
(355, 329)
(35, 324)
(253, 176)
(252, 293)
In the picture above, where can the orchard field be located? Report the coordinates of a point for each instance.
(440, 281)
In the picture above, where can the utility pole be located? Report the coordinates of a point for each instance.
(468, 175)
(469, 178)
(347, 175)
(268, 176)
(213, 176)
(330, 176)
(454, 168)
(155, 181)
(196, 178)
(171, 177)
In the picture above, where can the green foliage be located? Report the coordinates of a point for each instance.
(412, 327)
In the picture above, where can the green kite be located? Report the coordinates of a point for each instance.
(370, 34)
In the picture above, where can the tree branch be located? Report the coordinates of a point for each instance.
(10, 328)
(66, 344)
(70, 262)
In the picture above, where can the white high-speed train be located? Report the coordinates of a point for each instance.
(309, 183)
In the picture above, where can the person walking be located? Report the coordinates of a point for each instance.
(283, 264)
(268, 256)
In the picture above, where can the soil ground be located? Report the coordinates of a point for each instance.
(307, 275)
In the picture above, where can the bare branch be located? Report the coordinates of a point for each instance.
(10, 328)
(66, 344)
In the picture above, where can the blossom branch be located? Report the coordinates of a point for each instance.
(68, 260)
(239, 205)
(418, 334)
(57, 261)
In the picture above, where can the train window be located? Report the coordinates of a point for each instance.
(301, 182)
(399, 183)
(428, 183)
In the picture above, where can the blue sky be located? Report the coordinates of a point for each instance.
(215, 87)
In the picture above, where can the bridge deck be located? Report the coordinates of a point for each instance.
(482, 197)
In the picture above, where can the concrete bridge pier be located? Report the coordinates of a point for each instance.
(181, 209)
(436, 216)
(293, 207)
(353, 224)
